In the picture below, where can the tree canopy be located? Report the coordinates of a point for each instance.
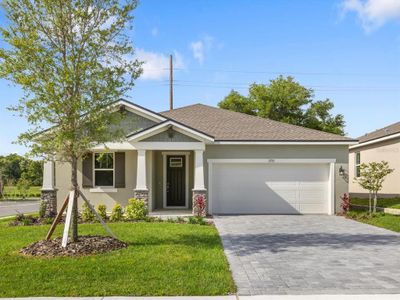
(286, 100)
(73, 59)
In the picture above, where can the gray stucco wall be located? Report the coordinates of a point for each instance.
(155, 170)
(340, 153)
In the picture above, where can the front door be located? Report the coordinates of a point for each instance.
(176, 185)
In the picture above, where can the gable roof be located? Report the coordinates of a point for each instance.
(380, 133)
(225, 125)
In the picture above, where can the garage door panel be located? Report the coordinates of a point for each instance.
(269, 188)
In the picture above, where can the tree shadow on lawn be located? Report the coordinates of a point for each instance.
(243, 245)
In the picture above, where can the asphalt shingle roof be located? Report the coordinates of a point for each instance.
(225, 125)
(379, 133)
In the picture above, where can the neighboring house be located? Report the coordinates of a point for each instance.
(381, 144)
(242, 164)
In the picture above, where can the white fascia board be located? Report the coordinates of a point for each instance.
(284, 143)
(393, 136)
(140, 111)
(113, 146)
(169, 146)
(273, 160)
(164, 126)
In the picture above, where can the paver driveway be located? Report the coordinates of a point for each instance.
(310, 255)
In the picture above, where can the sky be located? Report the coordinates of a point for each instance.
(346, 50)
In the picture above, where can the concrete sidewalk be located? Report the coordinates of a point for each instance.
(233, 297)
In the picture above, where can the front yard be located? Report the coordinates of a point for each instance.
(162, 259)
(389, 202)
(383, 220)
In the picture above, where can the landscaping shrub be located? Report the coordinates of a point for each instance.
(196, 220)
(136, 209)
(42, 209)
(345, 205)
(102, 211)
(117, 213)
(87, 214)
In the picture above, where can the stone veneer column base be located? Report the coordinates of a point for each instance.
(196, 210)
(142, 195)
(49, 198)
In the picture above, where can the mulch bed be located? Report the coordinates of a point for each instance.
(86, 245)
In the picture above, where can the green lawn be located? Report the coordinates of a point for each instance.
(389, 202)
(12, 193)
(383, 220)
(162, 259)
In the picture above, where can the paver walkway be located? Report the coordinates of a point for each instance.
(310, 255)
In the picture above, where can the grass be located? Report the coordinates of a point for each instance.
(162, 259)
(12, 193)
(389, 202)
(387, 221)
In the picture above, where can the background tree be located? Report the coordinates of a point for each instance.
(72, 58)
(372, 176)
(286, 100)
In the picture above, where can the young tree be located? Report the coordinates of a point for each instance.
(372, 176)
(73, 59)
(286, 100)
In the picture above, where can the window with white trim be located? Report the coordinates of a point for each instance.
(104, 169)
(358, 164)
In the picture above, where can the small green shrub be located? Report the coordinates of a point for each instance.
(171, 220)
(117, 213)
(42, 209)
(180, 219)
(87, 214)
(196, 220)
(136, 209)
(102, 211)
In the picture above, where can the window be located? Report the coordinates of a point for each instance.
(104, 169)
(358, 164)
(175, 162)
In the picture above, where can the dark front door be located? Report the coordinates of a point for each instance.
(176, 185)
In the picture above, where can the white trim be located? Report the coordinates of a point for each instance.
(198, 170)
(327, 143)
(164, 155)
(177, 146)
(273, 160)
(382, 139)
(48, 176)
(141, 178)
(140, 111)
(103, 190)
(331, 189)
(122, 146)
(164, 126)
(331, 185)
(150, 165)
(94, 170)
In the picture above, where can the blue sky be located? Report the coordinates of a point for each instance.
(347, 50)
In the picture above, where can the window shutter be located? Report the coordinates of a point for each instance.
(87, 170)
(119, 170)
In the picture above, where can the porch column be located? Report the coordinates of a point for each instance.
(141, 191)
(48, 191)
(199, 190)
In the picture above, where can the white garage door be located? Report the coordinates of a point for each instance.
(265, 188)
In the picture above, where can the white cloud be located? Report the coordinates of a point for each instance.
(156, 65)
(202, 46)
(198, 50)
(154, 31)
(373, 13)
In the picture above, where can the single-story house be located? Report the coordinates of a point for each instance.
(241, 164)
(381, 144)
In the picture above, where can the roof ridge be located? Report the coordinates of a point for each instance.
(383, 128)
(182, 107)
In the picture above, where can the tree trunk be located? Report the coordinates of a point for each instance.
(375, 201)
(74, 186)
(1, 188)
(370, 202)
